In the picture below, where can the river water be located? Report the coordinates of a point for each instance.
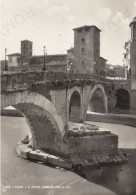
(20, 176)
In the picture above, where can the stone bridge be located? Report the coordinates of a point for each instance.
(50, 100)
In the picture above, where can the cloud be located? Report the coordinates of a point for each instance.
(62, 12)
(44, 2)
(114, 21)
(115, 32)
(104, 14)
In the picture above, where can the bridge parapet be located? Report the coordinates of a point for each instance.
(23, 80)
(119, 81)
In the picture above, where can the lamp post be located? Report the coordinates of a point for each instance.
(5, 59)
(44, 49)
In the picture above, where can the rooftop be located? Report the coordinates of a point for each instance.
(27, 41)
(58, 62)
(133, 22)
(134, 19)
(72, 48)
(103, 59)
(41, 56)
(86, 26)
(15, 54)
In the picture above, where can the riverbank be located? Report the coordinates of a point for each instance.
(124, 119)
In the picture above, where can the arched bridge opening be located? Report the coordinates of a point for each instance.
(74, 107)
(45, 125)
(98, 100)
(123, 100)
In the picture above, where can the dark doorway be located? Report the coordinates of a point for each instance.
(74, 107)
(122, 99)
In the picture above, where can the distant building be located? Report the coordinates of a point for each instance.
(53, 63)
(70, 59)
(17, 61)
(3, 65)
(26, 48)
(119, 71)
(83, 58)
(130, 55)
(87, 51)
(56, 66)
(14, 60)
(115, 71)
(109, 71)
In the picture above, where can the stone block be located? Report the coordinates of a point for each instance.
(32, 155)
(65, 164)
(41, 156)
(54, 160)
(25, 153)
(45, 161)
(23, 150)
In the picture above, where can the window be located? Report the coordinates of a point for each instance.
(79, 30)
(10, 59)
(82, 62)
(87, 29)
(82, 49)
(83, 40)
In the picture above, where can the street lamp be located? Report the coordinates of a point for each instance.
(5, 59)
(44, 49)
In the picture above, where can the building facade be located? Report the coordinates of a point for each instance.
(14, 60)
(83, 58)
(26, 48)
(24, 61)
(87, 51)
(115, 71)
(130, 54)
(53, 63)
(70, 59)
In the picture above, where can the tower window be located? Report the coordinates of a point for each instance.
(83, 40)
(79, 30)
(82, 62)
(87, 29)
(82, 49)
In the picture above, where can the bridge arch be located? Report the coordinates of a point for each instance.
(98, 100)
(122, 99)
(74, 104)
(46, 126)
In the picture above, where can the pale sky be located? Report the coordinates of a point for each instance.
(50, 23)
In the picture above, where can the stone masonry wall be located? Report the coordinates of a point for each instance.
(86, 147)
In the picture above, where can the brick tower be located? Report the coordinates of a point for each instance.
(26, 48)
(86, 49)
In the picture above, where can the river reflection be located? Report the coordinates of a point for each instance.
(118, 178)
